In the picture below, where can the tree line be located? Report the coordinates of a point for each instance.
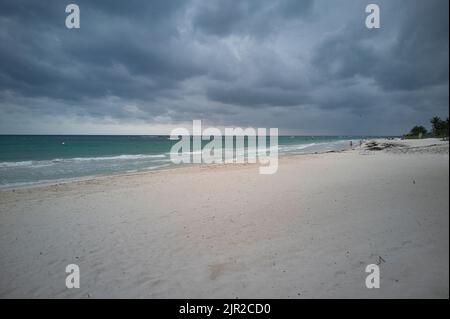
(439, 128)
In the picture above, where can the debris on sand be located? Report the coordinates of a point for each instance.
(402, 148)
(379, 146)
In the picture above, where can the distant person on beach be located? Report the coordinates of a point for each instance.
(351, 144)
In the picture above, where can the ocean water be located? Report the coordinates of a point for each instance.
(30, 159)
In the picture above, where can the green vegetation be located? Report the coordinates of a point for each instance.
(438, 126)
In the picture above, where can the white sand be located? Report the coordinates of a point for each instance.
(225, 232)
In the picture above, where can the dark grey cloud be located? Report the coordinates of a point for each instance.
(408, 53)
(256, 96)
(297, 65)
(121, 50)
(255, 18)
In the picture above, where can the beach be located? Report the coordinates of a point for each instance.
(226, 231)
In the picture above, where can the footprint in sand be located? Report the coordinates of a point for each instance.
(217, 270)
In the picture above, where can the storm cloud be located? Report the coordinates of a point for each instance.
(306, 67)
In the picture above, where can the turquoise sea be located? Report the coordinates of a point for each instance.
(30, 159)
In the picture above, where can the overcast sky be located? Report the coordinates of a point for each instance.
(143, 67)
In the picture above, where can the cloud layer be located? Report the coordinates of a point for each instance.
(308, 67)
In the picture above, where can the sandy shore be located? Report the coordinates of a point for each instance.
(307, 231)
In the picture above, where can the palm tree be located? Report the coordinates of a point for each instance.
(446, 128)
(435, 122)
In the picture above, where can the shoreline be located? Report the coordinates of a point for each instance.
(56, 168)
(81, 179)
(144, 172)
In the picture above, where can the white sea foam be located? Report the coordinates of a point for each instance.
(16, 164)
(287, 148)
(44, 163)
(111, 158)
(125, 157)
(157, 166)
